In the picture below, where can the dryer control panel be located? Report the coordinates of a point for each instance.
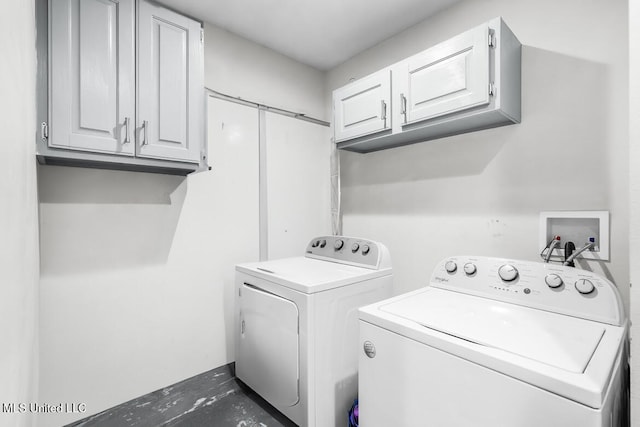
(549, 287)
(349, 250)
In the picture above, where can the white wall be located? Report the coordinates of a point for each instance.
(132, 298)
(481, 193)
(240, 68)
(18, 212)
(137, 269)
(634, 231)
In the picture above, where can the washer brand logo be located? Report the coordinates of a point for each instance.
(369, 349)
(441, 279)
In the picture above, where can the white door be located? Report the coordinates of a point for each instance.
(267, 357)
(447, 78)
(363, 107)
(170, 85)
(92, 75)
(298, 195)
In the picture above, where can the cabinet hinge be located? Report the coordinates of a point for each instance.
(492, 89)
(201, 35)
(44, 131)
(492, 39)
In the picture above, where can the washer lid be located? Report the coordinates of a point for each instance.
(310, 275)
(561, 341)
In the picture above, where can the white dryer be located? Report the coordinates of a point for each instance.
(297, 330)
(496, 342)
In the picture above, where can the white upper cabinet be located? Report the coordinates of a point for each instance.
(170, 85)
(467, 83)
(125, 86)
(363, 107)
(93, 75)
(449, 77)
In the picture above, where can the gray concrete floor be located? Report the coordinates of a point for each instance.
(214, 398)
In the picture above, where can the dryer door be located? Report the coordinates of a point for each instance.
(267, 359)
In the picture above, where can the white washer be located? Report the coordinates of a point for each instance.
(297, 339)
(496, 342)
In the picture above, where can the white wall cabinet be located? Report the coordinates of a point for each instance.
(452, 76)
(467, 83)
(93, 75)
(170, 84)
(125, 87)
(361, 108)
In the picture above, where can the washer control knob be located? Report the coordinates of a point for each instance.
(338, 244)
(553, 281)
(323, 243)
(470, 268)
(584, 286)
(365, 249)
(508, 273)
(355, 247)
(315, 243)
(451, 267)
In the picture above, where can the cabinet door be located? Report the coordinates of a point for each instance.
(170, 85)
(361, 107)
(92, 75)
(447, 78)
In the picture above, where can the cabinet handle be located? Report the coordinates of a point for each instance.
(403, 106)
(383, 113)
(127, 139)
(145, 129)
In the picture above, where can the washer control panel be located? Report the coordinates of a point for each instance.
(349, 250)
(549, 287)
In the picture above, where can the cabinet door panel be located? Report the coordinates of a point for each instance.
(171, 70)
(97, 71)
(170, 85)
(450, 77)
(92, 75)
(361, 108)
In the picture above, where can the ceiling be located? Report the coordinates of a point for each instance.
(321, 34)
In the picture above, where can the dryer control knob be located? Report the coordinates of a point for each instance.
(323, 243)
(553, 281)
(470, 268)
(355, 247)
(584, 286)
(451, 267)
(365, 249)
(338, 244)
(508, 273)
